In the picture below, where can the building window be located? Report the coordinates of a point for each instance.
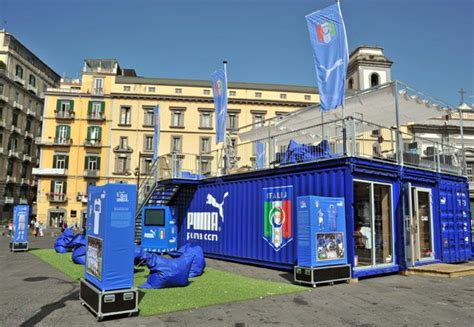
(96, 109)
(372, 224)
(94, 135)
(122, 163)
(58, 190)
(374, 79)
(126, 88)
(350, 84)
(258, 120)
(206, 92)
(205, 119)
(125, 115)
(205, 146)
(283, 96)
(15, 119)
(470, 171)
(146, 166)
(63, 133)
(123, 142)
(92, 163)
(19, 71)
(64, 108)
(28, 125)
(149, 117)
(178, 90)
(98, 86)
(151, 89)
(232, 147)
(232, 121)
(307, 97)
(176, 144)
(32, 80)
(204, 166)
(258, 94)
(1, 89)
(232, 93)
(60, 161)
(177, 118)
(148, 143)
(17, 97)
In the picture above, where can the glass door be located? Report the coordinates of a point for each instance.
(422, 223)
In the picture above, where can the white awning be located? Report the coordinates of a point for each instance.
(375, 105)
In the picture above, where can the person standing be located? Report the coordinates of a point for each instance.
(10, 229)
(37, 226)
(40, 229)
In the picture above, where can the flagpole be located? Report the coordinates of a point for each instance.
(344, 132)
(224, 144)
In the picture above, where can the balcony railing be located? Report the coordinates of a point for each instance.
(1, 150)
(62, 141)
(19, 80)
(25, 181)
(23, 201)
(9, 199)
(3, 123)
(49, 171)
(92, 143)
(96, 116)
(11, 179)
(30, 112)
(64, 114)
(13, 154)
(26, 157)
(29, 135)
(15, 129)
(17, 105)
(31, 88)
(3, 98)
(95, 173)
(57, 197)
(98, 91)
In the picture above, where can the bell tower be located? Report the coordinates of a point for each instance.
(368, 67)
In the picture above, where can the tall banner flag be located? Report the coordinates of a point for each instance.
(219, 90)
(329, 42)
(20, 223)
(260, 152)
(156, 135)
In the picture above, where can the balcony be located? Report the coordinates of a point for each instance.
(33, 182)
(3, 124)
(1, 151)
(26, 157)
(9, 199)
(25, 181)
(57, 197)
(13, 154)
(14, 129)
(92, 173)
(62, 141)
(11, 179)
(32, 88)
(92, 143)
(98, 91)
(3, 98)
(28, 135)
(64, 114)
(99, 116)
(17, 105)
(19, 80)
(38, 140)
(23, 200)
(49, 172)
(30, 112)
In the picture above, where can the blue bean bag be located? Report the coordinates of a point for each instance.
(196, 254)
(166, 272)
(78, 244)
(139, 255)
(62, 243)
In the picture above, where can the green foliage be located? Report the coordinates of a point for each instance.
(213, 287)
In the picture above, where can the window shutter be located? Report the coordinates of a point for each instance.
(89, 133)
(128, 163)
(55, 159)
(89, 109)
(58, 105)
(57, 131)
(68, 132)
(98, 163)
(86, 161)
(71, 105)
(66, 162)
(51, 190)
(99, 133)
(102, 107)
(65, 188)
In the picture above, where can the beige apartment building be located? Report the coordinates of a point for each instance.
(99, 129)
(23, 80)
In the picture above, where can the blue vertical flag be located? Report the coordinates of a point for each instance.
(219, 90)
(156, 136)
(261, 151)
(329, 42)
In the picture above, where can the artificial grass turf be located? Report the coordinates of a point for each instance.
(213, 287)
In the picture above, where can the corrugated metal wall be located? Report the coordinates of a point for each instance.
(240, 234)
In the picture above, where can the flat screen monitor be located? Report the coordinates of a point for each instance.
(155, 217)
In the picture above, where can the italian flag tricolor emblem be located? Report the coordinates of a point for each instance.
(325, 32)
(277, 216)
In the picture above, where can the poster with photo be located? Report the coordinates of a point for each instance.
(330, 246)
(94, 257)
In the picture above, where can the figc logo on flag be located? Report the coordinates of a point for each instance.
(326, 32)
(277, 216)
(218, 86)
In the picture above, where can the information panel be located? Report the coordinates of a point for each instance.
(321, 231)
(21, 214)
(159, 231)
(110, 233)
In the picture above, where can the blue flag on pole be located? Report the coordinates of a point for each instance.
(219, 90)
(329, 42)
(261, 151)
(156, 135)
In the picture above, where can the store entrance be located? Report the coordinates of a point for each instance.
(56, 218)
(421, 224)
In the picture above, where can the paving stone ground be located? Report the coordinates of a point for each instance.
(33, 293)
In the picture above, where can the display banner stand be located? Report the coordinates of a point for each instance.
(108, 303)
(19, 240)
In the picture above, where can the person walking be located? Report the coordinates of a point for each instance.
(40, 229)
(10, 229)
(37, 226)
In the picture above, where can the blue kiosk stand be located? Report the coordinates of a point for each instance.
(107, 287)
(321, 230)
(159, 230)
(19, 241)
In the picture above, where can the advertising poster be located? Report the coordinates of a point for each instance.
(330, 246)
(20, 223)
(277, 215)
(94, 257)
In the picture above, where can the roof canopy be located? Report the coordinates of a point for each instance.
(375, 105)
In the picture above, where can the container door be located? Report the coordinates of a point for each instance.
(408, 224)
(422, 224)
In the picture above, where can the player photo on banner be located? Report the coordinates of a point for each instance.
(330, 246)
(94, 257)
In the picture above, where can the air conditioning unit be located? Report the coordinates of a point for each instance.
(376, 133)
(79, 196)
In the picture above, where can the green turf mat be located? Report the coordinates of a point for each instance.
(213, 287)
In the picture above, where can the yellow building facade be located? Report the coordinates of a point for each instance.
(100, 129)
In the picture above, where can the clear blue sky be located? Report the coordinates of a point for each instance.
(430, 41)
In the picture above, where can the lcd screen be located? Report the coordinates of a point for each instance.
(155, 217)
